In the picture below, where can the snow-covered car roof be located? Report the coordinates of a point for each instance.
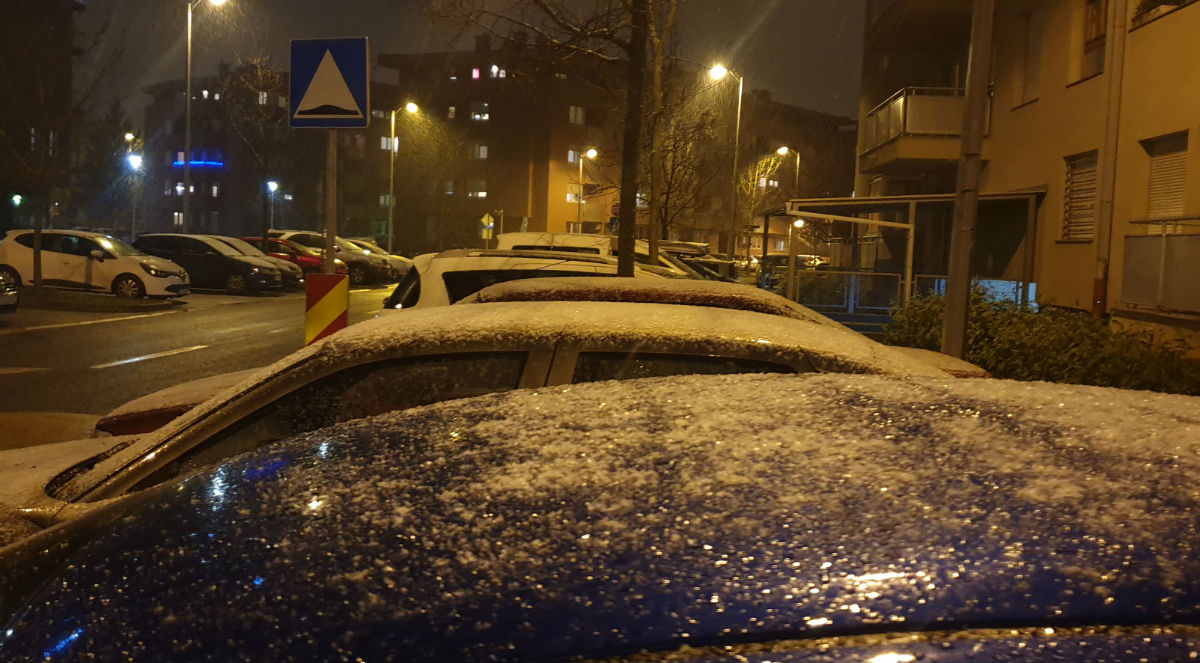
(716, 294)
(641, 517)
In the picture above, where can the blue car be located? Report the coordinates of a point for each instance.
(854, 518)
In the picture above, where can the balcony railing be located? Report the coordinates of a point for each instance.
(915, 111)
(1161, 258)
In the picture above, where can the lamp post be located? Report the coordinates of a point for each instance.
(590, 154)
(783, 152)
(187, 120)
(272, 187)
(791, 270)
(411, 109)
(135, 164)
(719, 72)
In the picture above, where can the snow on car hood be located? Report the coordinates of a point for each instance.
(160, 263)
(24, 472)
(616, 517)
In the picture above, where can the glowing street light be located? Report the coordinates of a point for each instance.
(187, 121)
(783, 152)
(272, 187)
(134, 160)
(16, 199)
(717, 73)
(590, 154)
(412, 109)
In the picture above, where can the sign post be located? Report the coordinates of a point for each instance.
(330, 89)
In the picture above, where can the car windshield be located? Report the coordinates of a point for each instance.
(241, 245)
(117, 247)
(370, 246)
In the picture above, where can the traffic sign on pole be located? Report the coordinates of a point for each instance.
(330, 83)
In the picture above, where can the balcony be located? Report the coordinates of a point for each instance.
(913, 128)
(899, 26)
(1160, 265)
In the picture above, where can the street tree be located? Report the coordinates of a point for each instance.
(606, 31)
(101, 186)
(758, 189)
(43, 92)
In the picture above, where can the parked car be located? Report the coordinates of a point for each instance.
(427, 355)
(290, 275)
(213, 264)
(853, 518)
(85, 260)
(307, 259)
(362, 267)
(439, 279)
(603, 245)
(400, 265)
(10, 292)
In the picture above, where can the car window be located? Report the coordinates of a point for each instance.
(353, 393)
(468, 282)
(315, 241)
(597, 366)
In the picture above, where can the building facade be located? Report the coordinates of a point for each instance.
(1091, 106)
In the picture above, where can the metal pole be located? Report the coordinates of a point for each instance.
(330, 200)
(579, 196)
(1114, 63)
(271, 216)
(910, 249)
(391, 183)
(966, 203)
(187, 126)
(796, 190)
(737, 132)
(791, 270)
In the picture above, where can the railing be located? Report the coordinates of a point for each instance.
(1161, 258)
(838, 291)
(915, 111)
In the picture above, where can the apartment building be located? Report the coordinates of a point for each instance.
(1091, 107)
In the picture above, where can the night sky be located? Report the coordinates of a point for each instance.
(805, 52)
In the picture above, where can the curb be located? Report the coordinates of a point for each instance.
(65, 300)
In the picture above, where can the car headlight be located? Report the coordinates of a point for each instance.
(156, 272)
(339, 261)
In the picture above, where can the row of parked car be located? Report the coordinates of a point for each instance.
(170, 264)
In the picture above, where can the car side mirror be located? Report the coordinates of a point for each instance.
(337, 249)
(97, 254)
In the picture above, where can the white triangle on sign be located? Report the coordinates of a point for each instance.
(327, 95)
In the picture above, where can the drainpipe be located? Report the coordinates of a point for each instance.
(1114, 65)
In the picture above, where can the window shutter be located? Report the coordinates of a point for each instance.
(1166, 185)
(1079, 203)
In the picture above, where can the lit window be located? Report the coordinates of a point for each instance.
(380, 114)
(215, 190)
(450, 112)
(477, 189)
(762, 182)
(479, 111)
(262, 98)
(479, 151)
(178, 219)
(575, 114)
(574, 193)
(216, 96)
(383, 142)
(384, 200)
(572, 155)
(453, 74)
(204, 94)
(559, 74)
(475, 73)
(449, 187)
(179, 188)
(281, 101)
(287, 196)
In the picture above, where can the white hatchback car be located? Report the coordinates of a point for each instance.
(441, 279)
(91, 261)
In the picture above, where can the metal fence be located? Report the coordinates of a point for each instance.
(1161, 258)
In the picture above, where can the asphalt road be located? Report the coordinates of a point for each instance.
(62, 361)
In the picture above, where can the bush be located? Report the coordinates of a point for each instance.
(1055, 345)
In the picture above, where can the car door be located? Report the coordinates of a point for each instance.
(100, 273)
(64, 261)
(202, 262)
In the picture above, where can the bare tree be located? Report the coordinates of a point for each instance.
(612, 31)
(248, 109)
(50, 72)
(758, 188)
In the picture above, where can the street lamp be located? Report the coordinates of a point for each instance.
(411, 109)
(590, 154)
(717, 73)
(791, 270)
(272, 187)
(783, 152)
(135, 164)
(187, 121)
